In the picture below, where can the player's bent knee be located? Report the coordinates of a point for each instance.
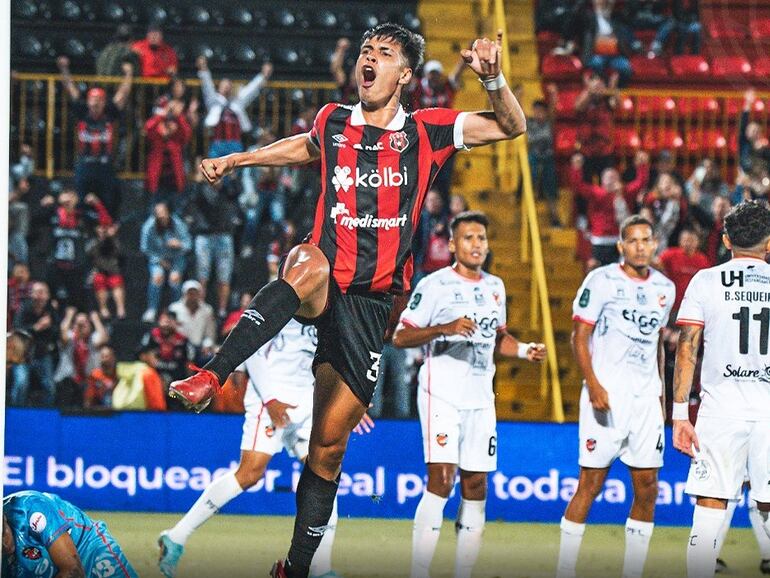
(175, 278)
(157, 279)
(327, 456)
(306, 266)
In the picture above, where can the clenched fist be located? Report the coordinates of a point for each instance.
(215, 169)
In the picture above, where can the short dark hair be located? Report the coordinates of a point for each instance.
(748, 224)
(633, 221)
(468, 217)
(412, 43)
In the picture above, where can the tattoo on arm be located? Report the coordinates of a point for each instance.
(686, 359)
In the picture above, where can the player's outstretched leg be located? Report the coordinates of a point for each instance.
(302, 291)
(707, 520)
(573, 523)
(429, 516)
(639, 525)
(214, 497)
(336, 411)
(471, 518)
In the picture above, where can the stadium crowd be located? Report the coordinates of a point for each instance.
(196, 237)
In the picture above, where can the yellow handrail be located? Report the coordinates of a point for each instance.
(512, 155)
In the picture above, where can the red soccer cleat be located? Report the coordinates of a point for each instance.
(196, 391)
(278, 570)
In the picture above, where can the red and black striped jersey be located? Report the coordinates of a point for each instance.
(96, 137)
(373, 184)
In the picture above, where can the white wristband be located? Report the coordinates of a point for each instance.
(523, 350)
(681, 411)
(495, 83)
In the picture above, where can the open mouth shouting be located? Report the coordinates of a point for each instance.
(369, 74)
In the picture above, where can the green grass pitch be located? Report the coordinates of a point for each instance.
(231, 546)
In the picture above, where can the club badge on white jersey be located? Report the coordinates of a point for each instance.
(457, 369)
(627, 315)
(732, 303)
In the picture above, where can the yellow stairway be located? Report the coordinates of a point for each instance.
(448, 26)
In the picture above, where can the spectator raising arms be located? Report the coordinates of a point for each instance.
(72, 225)
(165, 241)
(227, 118)
(97, 135)
(156, 58)
(81, 336)
(168, 133)
(608, 204)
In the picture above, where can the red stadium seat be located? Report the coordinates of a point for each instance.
(690, 66)
(649, 68)
(566, 137)
(693, 105)
(705, 141)
(627, 138)
(734, 106)
(726, 30)
(730, 67)
(658, 140)
(556, 66)
(761, 67)
(759, 29)
(651, 104)
(565, 104)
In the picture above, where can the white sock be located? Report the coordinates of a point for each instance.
(569, 548)
(702, 547)
(765, 518)
(322, 561)
(213, 498)
(470, 528)
(638, 536)
(729, 513)
(427, 529)
(763, 539)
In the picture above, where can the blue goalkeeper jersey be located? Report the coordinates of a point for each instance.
(38, 519)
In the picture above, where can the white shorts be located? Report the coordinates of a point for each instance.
(638, 445)
(466, 437)
(727, 447)
(259, 434)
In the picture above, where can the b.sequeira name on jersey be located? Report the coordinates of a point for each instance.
(732, 300)
(283, 368)
(628, 315)
(457, 369)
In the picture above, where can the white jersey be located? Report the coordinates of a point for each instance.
(732, 303)
(283, 368)
(457, 369)
(628, 315)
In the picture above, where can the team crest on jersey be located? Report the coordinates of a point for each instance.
(662, 300)
(590, 444)
(478, 296)
(269, 431)
(399, 142)
(496, 297)
(702, 470)
(441, 439)
(37, 522)
(32, 553)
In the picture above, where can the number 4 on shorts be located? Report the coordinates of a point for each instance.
(659, 445)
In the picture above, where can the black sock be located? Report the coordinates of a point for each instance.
(270, 310)
(315, 501)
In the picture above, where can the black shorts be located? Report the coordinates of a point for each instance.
(351, 334)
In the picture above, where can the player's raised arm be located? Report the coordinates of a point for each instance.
(294, 150)
(507, 119)
(581, 346)
(684, 370)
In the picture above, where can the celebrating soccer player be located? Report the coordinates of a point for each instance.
(458, 312)
(377, 164)
(619, 312)
(729, 307)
